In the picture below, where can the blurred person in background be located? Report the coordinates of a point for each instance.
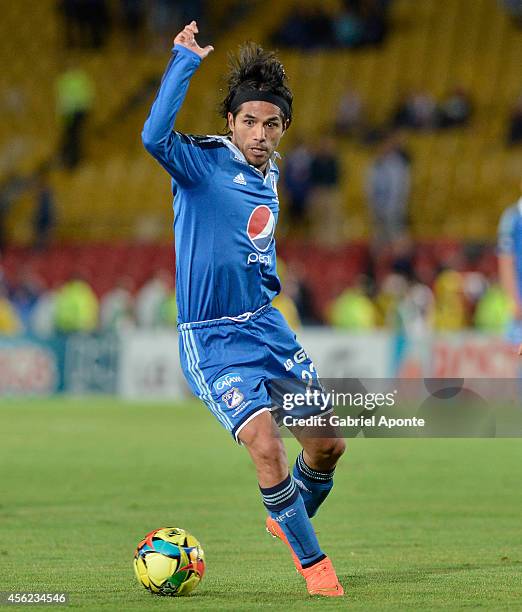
(283, 302)
(74, 98)
(417, 310)
(388, 189)
(450, 309)
(455, 110)
(306, 27)
(164, 18)
(327, 222)
(509, 253)
(514, 8)
(151, 297)
(297, 289)
(392, 291)
(297, 181)
(494, 310)
(10, 324)
(349, 119)
(25, 292)
(86, 22)
(44, 217)
(514, 136)
(10, 190)
(76, 308)
(353, 310)
(416, 110)
(134, 13)
(169, 310)
(42, 322)
(117, 306)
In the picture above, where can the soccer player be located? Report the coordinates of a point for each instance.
(509, 250)
(237, 352)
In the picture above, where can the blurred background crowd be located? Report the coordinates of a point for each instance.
(405, 149)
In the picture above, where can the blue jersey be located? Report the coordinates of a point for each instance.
(225, 210)
(510, 239)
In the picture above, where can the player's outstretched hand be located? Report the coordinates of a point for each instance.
(186, 38)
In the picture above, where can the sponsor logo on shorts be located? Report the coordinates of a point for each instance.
(233, 397)
(227, 380)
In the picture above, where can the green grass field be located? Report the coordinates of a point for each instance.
(410, 525)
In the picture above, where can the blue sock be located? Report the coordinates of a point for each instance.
(286, 506)
(314, 486)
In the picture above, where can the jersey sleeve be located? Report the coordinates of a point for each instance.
(505, 242)
(176, 152)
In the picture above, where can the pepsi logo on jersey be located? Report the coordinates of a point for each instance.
(261, 227)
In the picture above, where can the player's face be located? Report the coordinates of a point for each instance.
(256, 131)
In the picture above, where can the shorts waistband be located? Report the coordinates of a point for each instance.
(242, 318)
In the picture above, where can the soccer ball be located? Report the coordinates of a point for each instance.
(169, 561)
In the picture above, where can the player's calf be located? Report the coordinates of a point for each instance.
(315, 483)
(278, 490)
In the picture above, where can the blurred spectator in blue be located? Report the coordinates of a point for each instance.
(349, 28)
(24, 294)
(515, 125)
(75, 97)
(325, 179)
(388, 189)
(349, 120)
(297, 180)
(44, 218)
(455, 109)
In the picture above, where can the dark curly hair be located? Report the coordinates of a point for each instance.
(255, 68)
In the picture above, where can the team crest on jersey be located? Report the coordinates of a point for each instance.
(261, 227)
(233, 397)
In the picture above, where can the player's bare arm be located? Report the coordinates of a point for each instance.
(187, 38)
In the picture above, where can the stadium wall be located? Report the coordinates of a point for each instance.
(145, 364)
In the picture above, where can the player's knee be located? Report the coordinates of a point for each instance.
(268, 454)
(330, 450)
(267, 450)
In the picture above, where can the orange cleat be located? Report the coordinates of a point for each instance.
(275, 531)
(321, 579)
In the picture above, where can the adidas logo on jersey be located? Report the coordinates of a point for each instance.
(240, 179)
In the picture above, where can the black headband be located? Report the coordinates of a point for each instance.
(253, 95)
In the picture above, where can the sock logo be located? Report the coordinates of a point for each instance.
(286, 515)
(301, 485)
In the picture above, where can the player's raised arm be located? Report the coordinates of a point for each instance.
(183, 161)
